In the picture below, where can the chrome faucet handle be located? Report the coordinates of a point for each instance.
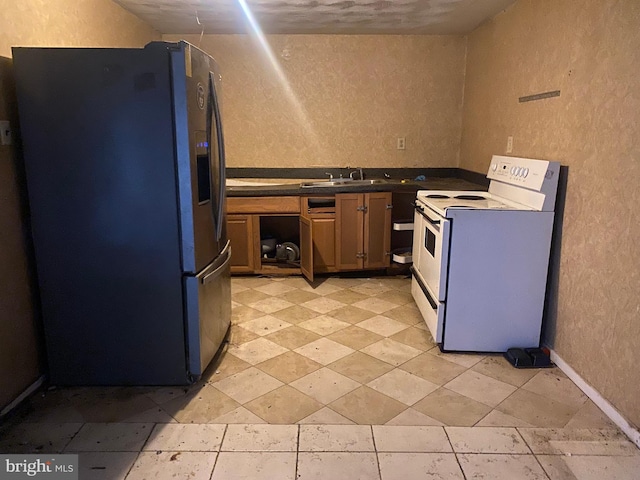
(351, 174)
(361, 173)
(330, 175)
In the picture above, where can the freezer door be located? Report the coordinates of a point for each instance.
(208, 315)
(200, 156)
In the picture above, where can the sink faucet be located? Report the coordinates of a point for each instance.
(330, 175)
(356, 171)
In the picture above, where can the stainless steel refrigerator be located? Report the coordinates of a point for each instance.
(125, 167)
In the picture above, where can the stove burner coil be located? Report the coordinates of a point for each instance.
(469, 197)
(437, 195)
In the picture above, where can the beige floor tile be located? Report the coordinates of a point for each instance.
(496, 366)
(366, 406)
(276, 289)
(295, 314)
(239, 335)
(347, 296)
(321, 287)
(185, 437)
(351, 314)
(257, 351)
(265, 325)
(325, 416)
(293, 337)
(466, 360)
(419, 466)
(110, 437)
(200, 406)
(224, 366)
(325, 385)
(247, 385)
(239, 415)
(252, 282)
(173, 465)
(335, 438)
(37, 437)
(260, 438)
(375, 305)
(411, 417)
(299, 296)
(551, 441)
(345, 282)
(243, 313)
(452, 408)
(106, 465)
(114, 404)
(237, 286)
(371, 287)
(337, 466)
(360, 367)
(481, 388)
(394, 438)
(324, 351)
(392, 352)
(590, 416)
(496, 418)
(270, 304)
(160, 395)
(396, 297)
(355, 337)
(553, 384)
(297, 282)
(403, 386)
(415, 337)
(382, 325)
(586, 467)
(406, 314)
(501, 467)
(323, 305)
(323, 325)
(537, 410)
(289, 366)
(432, 368)
(486, 440)
(255, 466)
(249, 296)
(153, 415)
(284, 405)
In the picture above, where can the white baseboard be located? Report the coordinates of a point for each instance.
(32, 388)
(595, 396)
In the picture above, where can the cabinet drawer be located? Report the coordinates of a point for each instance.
(263, 204)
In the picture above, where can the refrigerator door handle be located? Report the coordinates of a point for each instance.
(218, 266)
(214, 115)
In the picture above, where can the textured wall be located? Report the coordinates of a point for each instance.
(26, 23)
(591, 52)
(348, 99)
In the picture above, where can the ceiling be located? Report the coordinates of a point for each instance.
(425, 17)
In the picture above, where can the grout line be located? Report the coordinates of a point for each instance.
(375, 450)
(295, 475)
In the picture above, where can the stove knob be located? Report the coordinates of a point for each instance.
(494, 166)
(512, 171)
(525, 172)
(518, 170)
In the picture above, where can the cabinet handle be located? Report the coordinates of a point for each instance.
(389, 206)
(361, 208)
(360, 255)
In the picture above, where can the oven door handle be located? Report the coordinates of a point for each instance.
(421, 211)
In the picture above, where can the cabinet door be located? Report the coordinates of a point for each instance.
(324, 243)
(377, 230)
(306, 247)
(241, 235)
(349, 231)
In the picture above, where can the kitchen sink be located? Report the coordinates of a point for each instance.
(343, 182)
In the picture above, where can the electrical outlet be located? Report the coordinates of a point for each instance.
(5, 132)
(510, 144)
(401, 143)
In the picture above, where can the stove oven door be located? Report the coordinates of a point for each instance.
(433, 254)
(432, 310)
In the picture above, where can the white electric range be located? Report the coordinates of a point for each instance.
(480, 259)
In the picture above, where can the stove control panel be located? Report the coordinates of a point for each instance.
(524, 172)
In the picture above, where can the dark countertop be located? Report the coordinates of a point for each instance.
(393, 185)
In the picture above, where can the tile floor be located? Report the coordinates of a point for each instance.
(335, 380)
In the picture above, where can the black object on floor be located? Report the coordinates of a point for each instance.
(528, 357)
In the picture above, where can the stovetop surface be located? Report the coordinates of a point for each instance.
(441, 200)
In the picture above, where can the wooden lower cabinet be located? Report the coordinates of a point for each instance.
(317, 235)
(240, 231)
(363, 230)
